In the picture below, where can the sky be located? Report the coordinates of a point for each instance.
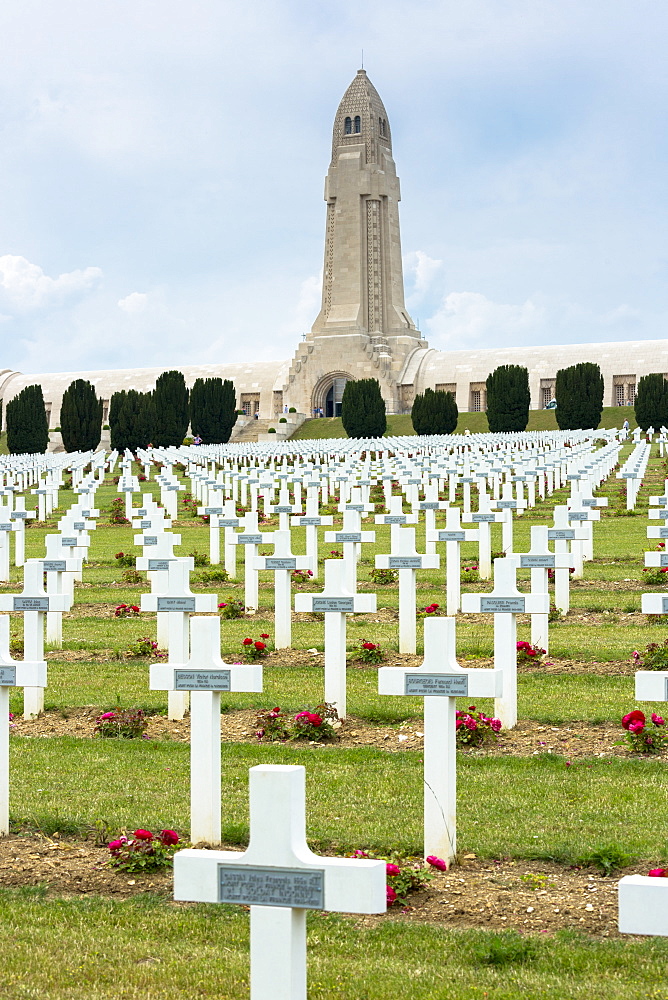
(162, 169)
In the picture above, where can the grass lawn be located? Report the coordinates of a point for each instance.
(522, 807)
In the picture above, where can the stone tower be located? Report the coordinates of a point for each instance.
(363, 329)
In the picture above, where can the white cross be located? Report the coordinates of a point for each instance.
(567, 537)
(279, 877)
(250, 537)
(6, 529)
(312, 520)
(283, 563)
(60, 574)
(453, 535)
(430, 505)
(484, 520)
(34, 602)
(336, 601)
(407, 560)
(351, 537)
(13, 673)
(505, 603)
(20, 515)
(396, 518)
(440, 680)
(205, 675)
(539, 560)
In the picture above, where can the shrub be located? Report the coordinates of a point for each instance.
(655, 657)
(508, 398)
(639, 737)
(434, 412)
(256, 649)
(232, 609)
(315, 725)
(526, 653)
(384, 577)
(579, 394)
(127, 611)
(132, 576)
(655, 576)
(145, 851)
(123, 559)
(283, 420)
(117, 512)
(200, 558)
(475, 728)
(216, 575)
(122, 723)
(145, 647)
(271, 430)
(81, 417)
(369, 652)
(301, 576)
(470, 574)
(363, 409)
(404, 874)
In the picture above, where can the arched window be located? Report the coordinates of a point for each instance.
(358, 124)
(348, 125)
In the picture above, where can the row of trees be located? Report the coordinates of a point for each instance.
(651, 402)
(136, 419)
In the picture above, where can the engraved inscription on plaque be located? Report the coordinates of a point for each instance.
(202, 680)
(405, 562)
(348, 536)
(79, 525)
(663, 532)
(414, 482)
(54, 565)
(150, 540)
(302, 888)
(283, 509)
(451, 536)
(664, 605)
(31, 604)
(536, 562)
(429, 504)
(333, 603)
(663, 559)
(560, 534)
(660, 514)
(6, 527)
(355, 506)
(482, 518)
(69, 540)
(588, 501)
(578, 515)
(7, 676)
(503, 605)
(158, 565)
(18, 515)
(249, 539)
(213, 510)
(309, 522)
(276, 562)
(145, 524)
(228, 522)
(507, 503)
(394, 519)
(186, 604)
(439, 685)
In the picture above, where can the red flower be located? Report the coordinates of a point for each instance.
(368, 645)
(392, 870)
(657, 720)
(143, 835)
(390, 895)
(115, 845)
(169, 837)
(247, 642)
(633, 717)
(655, 872)
(264, 635)
(437, 863)
(259, 645)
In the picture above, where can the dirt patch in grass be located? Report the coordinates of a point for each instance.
(528, 896)
(575, 741)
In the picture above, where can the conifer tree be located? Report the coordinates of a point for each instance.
(213, 409)
(434, 412)
(363, 409)
(27, 424)
(651, 403)
(508, 398)
(172, 411)
(81, 417)
(579, 394)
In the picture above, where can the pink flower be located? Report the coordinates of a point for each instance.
(437, 863)
(169, 837)
(636, 655)
(658, 873)
(115, 845)
(143, 835)
(470, 723)
(390, 895)
(495, 725)
(392, 870)
(108, 715)
(635, 716)
(657, 720)
(636, 727)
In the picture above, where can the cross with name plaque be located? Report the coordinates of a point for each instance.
(539, 560)
(34, 602)
(335, 602)
(13, 673)
(567, 537)
(6, 529)
(505, 603)
(453, 535)
(440, 681)
(404, 558)
(280, 878)
(312, 520)
(351, 537)
(484, 519)
(205, 676)
(251, 538)
(20, 515)
(283, 563)
(60, 572)
(395, 518)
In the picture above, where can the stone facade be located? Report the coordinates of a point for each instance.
(363, 329)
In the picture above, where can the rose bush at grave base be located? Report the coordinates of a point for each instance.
(470, 574)
(526, 653)
(256, 649)
(145, 647)
(125, 559)
(658, 872)
(473, 728)
(369, 652)
(654, 576)
(655, 657)
(404, 874)
(117, 512)
(301, 576)
(314, 725)
(639, 737)
(232, 609)
(126, 724)
(126, 611)
(144, 851)
(384, 577)
(215, 575)
(430, 611)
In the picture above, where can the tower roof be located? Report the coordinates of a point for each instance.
(361, 118)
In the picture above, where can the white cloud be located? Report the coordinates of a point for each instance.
(422, 272)
(467, 319)
(134, 303)
(308, 304)
(26, 286)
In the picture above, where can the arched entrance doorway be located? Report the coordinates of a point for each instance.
(328, 394)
